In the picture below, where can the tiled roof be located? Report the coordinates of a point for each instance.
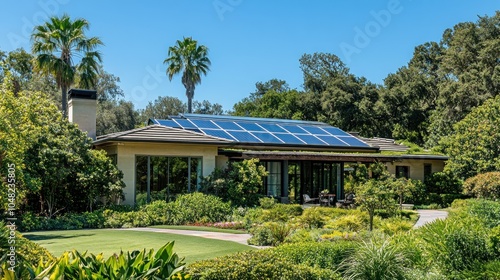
(160, 133)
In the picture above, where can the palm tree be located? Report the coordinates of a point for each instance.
(190, 58)
(56, 44)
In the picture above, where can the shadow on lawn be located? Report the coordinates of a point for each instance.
(40, 237)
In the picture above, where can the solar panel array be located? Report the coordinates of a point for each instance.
(265, 131)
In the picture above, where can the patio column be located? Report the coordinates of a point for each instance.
(284, 181)
(340, 180)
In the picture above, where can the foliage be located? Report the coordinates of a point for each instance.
(270, 233)
(376, 260)
(373, 195)
(57, 44)
(403, 188)
(486, 185)
(488, 212)
(164, 264)
(239, 183)
(317, 217)
(199, 207)
(262, 264)
(349, 223)
(26, 250)
(457, 245)
(192, 60)
(115, 116)
(473, 147)
(394, 225)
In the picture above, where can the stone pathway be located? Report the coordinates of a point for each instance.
(239, 238)
(427, 216)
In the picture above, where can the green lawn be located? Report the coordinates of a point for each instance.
(200, 228)
(109, 241)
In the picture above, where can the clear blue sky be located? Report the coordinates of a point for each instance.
(249, 41)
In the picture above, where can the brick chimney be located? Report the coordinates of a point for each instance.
(82, 110)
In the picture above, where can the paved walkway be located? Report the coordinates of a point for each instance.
(427, 216)
(239, 238)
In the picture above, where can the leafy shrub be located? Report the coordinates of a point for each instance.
(443, 182)
(239, 183)
(301, 235)
(199, 207)
(495, 241)
(317, 217)
(395, 225)
(486, 185)
(281, 213)
(262, 264)
(68, 221)
(159, 212)
(456, 245)
(487, 211)
(375, 260)
(270, 233)
(164, 264)
(267, 202)
(26, 250)
(340, 235)
(320, 254)
(348, 223)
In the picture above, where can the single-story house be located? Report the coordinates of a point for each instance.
(170, 156)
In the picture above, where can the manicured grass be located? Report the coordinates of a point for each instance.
(201, 228)
(109, 241)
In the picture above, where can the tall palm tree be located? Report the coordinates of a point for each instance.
(56, 45)
(190, 58)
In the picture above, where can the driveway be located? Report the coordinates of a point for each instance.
(427, 216)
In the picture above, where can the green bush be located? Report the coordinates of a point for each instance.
(348, 223)
(486, 185)
(26, 250)
(261, 236)
(239, 183)
(267, 202)
(457, 245)
(487, 211)
(263, 264)
(375, 260)
(494, 235)
(317, 217)
(281, 213)
(200, 208)
(394, 225)
(443, 182)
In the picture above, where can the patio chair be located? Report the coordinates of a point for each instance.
(308, 199)
(324, 200)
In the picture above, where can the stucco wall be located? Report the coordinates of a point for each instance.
(126, 153)
(416, 167)
(83, 112)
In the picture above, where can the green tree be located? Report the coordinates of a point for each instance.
(57, 44)
(375, 194)
(473, 146)
(161, 108)
(205, 107)
(115, 116)
(192, 60)
(485, 185)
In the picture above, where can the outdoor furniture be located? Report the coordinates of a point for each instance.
(326, 199)
(308, 199)
(348, 202)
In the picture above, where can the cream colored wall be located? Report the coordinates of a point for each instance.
(83, 112)
(221, 162)
(126, 153)
(416, 167)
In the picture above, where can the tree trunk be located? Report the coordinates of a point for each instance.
(190, 105)
(190, 95)
(64, 95)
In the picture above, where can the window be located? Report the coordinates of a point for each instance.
(273, 180)
(161, 177)
(427, 170)
(403, 172)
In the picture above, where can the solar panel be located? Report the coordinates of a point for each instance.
(289, 138)
(352, 141)
(265, 131)
(272, 127)
(205, 124)
(267, 137)
(185, 123)
(314, 130)
(310, 139)
(250, 126)
(228, 125)
(331, 140)
(294, 129)
(335, 131)
(218, 133)
(243, 136)
(169, 123)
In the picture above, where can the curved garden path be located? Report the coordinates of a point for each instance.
(427, 216)
(235, 237)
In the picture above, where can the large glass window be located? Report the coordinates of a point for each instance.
(274, 179)
(162, 177)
